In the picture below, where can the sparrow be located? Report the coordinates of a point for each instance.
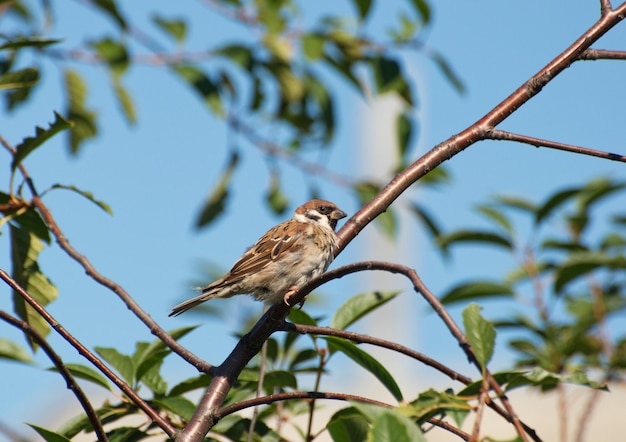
(284, 259)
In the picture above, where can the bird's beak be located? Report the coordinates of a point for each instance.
(338, 214)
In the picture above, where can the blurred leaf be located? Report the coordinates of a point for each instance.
(393, 426)
(276, 199)
(427, 219)
(279, 379)
(23, 78)
(580, 263)
(177, 29)
(447, 71)
(179, 405)
(480, 333)
(31, 41)
(386, 220)
(126, 434)
(388, 78)
(104, 206)
(554, 244)
(202, 84)
(25, 248)
(313, 45)
(83, 119)
(200, 382)
(113, 53)
(12, 351)
(462, 236)
(358, 306)
(367, 362)
(86, 373)
(596, 190)
(214, 206)
(122, 363)
(553, 203)
(348, 425)
(364, 7)
(496, 216)
(239, 54)
(404, 130)
(29, 144)
(476, 290)
(110, 8)
(49, 435)
(517, 203)
(423, 9)
(125, 101)
(439, 175)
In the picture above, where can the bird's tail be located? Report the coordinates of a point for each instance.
(206, 294)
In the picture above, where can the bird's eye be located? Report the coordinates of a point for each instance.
(323, 210)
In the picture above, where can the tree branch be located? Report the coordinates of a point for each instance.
(602, 54)
(87, 354)
(496, 134)
(58, 363)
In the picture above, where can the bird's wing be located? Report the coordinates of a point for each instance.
(284, 237)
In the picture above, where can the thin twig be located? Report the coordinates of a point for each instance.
(85, 352)
(63, 370)
(496, 134)
(605, 7)
(602, 54)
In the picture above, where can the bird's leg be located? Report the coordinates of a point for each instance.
(289, 294)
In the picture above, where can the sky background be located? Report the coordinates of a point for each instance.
(156, 174)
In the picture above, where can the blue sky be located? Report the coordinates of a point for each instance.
(155, 175)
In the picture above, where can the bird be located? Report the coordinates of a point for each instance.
(284, 259)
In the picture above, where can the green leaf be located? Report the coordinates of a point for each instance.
(202, 84)
(279, 379)
(364, 7)
(497, 217)
(580, 264)
(358, 306)
(298, 316)
(29, 144)
(12, 351)
(23, 78)
(596, 190)
(313, 45)
(392, 426)
(367, 362)
(476, 290)
(554, 202)
(25, 248)
(177, 29)
(432, 402)
(180, 405)
(404, 131)
(196, 383)
(348, 425)
(104, 206)
(23, 42)
(462, 236)
(125, 101)
(110, 8)
(49, 435)
(386, 220)
(517, 203)
(152, 378)
(238, 54)
(113, 53)
(480, 333)
(423, 9)
(86, 373)
(122, 363)
(447, 71)
(426, 219)
(32, 222)
(214, 205)
(83, 119)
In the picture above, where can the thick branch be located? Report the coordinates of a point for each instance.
(85, 352)
(58, 363)
(538, 142)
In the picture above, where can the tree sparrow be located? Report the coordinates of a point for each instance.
(285, 258)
